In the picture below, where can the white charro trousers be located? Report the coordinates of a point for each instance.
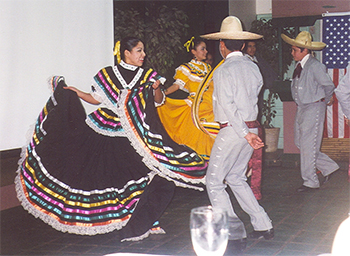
(227, 166)
(308, 132)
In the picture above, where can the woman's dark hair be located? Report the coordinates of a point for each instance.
(196, 43)
(127, 43)
(233, 45)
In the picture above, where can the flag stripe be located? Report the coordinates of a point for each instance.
(335, 105)
(334, 122)
(346, 127)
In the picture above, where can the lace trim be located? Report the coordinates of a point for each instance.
(204, 72)
(191, 76)
(162, 102)
(122, 80)
(97, 129)
(127, 66)
(145, 235)
(79, 230)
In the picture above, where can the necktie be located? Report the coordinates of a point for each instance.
(297, 71)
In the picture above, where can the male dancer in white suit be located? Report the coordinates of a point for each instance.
(237, 83)
(312, 89)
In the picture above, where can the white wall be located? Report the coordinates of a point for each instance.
(41, 38)
(248, 10)
(263, 7)
(245, 10)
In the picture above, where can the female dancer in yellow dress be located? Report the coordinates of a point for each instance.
(176, 115)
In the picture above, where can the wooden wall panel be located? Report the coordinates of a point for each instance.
(292, 8)
(337, 149)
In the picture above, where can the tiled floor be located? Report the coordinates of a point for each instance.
(305, 224)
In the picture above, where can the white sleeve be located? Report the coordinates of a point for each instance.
(97, 94)
(161, 103)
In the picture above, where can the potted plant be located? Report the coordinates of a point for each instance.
(269, 113)
(163, 28)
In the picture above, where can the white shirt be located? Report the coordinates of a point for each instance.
(304, 60)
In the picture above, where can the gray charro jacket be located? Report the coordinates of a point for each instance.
(314, 83)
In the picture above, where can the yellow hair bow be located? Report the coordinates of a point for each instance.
(117, 51)
(189, 44)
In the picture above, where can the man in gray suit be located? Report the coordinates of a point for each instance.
(312, 89)
(237, 83)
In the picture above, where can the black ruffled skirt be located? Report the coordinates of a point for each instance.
(75, 179)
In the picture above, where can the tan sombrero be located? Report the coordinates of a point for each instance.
(231, 28)
(304, 40)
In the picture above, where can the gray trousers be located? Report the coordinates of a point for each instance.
(308, 132)
(227, 166)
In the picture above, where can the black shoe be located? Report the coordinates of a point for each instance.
(328, 177)
(267, 234)
(236, 246)
(305, 189)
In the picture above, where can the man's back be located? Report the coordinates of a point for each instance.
(237, 83)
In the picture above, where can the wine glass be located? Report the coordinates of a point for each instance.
(209, 231)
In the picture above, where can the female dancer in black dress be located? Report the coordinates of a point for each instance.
(113, 169)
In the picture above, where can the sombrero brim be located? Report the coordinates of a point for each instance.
(237, 35)
(315, 46)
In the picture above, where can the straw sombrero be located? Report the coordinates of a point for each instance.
(304, 40)
(231, 28)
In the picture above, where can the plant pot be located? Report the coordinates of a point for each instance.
(271, 139)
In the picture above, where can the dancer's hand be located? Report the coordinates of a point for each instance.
(158, 94)
(254, 140)
(330, 102)
(155, 85)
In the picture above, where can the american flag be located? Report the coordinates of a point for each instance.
(336, 56)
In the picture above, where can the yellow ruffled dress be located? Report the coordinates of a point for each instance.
(176, 115)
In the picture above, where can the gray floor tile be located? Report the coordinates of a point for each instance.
(305, 224)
